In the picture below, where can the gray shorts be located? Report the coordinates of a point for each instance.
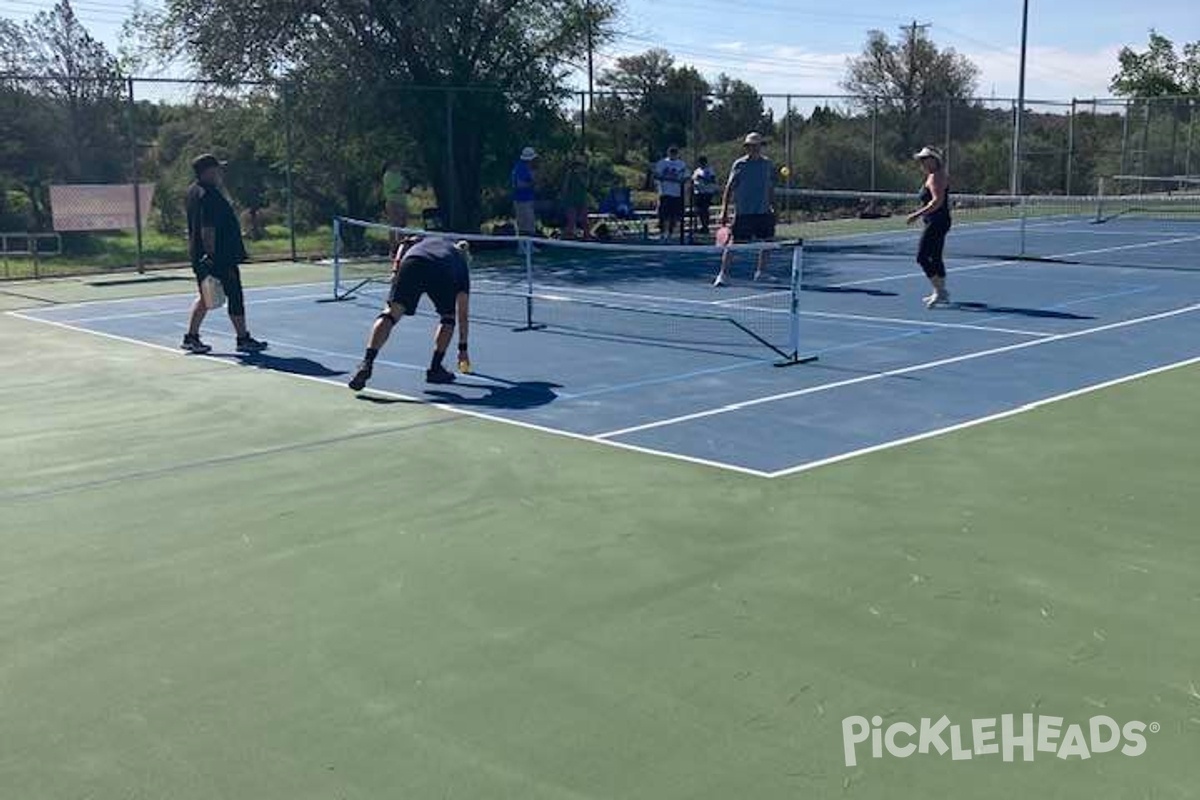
(526, 218)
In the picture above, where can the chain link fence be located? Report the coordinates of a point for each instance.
(301, 154)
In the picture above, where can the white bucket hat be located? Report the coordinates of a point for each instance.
(754, 137)
(929, 152)
(528, 154)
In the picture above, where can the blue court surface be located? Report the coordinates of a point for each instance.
(1018, 334)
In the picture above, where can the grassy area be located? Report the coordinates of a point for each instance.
(118, 251)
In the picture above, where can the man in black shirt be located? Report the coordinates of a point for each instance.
(438, 268)
(215, 247)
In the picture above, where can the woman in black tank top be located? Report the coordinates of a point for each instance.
(935, 212)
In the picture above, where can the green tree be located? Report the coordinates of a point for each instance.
(1158, 70)
(656, 103)
(910, 79)
(67, 125)
(12, 47)
(515, 48)
(737, 109)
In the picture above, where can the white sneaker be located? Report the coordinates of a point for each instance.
(937, 299)
(720, 282)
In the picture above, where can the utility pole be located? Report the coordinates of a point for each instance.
(914, 30)
(591, 47)
(1020, 115)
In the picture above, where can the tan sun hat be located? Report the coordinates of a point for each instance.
(754, 137)
(929, 152)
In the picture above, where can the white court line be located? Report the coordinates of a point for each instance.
(441, 406)
(941, 362)
(183, 310)
(1004, 262)
(919, 323)
(971, 423)
(50, 305)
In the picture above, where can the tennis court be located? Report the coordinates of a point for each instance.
(593, 570)
(638, 356)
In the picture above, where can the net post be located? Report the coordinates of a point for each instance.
(1024, 212)
(337, 256)
(794, 311)
(1100, 187)
(527, 244)
(797, 283)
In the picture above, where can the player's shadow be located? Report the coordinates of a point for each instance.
(809, 287)
(293, 365)
(504, 394)
(1036, 313)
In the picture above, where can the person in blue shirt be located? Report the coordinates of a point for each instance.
(523, 175)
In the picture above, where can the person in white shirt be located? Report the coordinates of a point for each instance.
(671, 174)
(704, 189)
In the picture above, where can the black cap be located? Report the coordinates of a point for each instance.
(203, 162)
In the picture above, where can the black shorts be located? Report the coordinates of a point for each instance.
(670, 207)
(231, 281)
(749, 227)
(418, 276)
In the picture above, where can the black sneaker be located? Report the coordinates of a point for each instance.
(192, 344)
(439, 374)
(359, 381)
(248, 344)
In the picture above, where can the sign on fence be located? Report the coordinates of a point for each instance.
(98, 207)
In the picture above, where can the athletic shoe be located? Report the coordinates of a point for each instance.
(439, 375)
(359, 381)
(192, 344)
(720, 282)
(937, 299)
(248, 344)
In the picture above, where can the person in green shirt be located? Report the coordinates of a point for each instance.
(575, 199)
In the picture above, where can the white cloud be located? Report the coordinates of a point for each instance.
(1052, 73)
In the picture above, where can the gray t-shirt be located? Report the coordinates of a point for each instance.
(750, 180)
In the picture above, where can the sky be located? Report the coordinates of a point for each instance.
(801, 46)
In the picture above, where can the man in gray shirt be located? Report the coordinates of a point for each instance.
(752, 188)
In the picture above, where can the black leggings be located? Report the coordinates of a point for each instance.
(933, 244)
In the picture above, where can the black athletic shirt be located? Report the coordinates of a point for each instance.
(942, 214)
(208, 208)
(442, 251)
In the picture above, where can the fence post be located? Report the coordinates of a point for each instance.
(874, 138)
(583, 148)
(449, 219)
(949, 123)
(1187, 167)
(1144, 163)
(787, 137)
(130, 111)
(287, 139)
(1174, 136)
(1070, 144)
(1014, 178)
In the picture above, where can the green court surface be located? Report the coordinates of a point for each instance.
(223, 582)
